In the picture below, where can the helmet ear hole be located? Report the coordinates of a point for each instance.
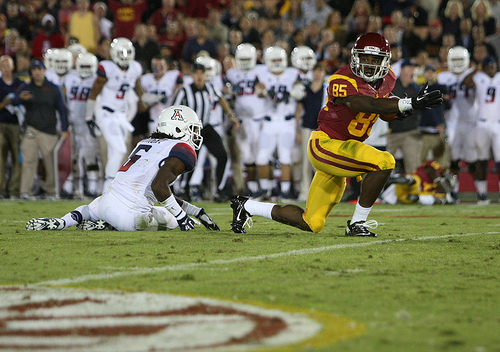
(178, 130)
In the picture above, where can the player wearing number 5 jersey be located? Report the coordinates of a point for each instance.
(357, 96)
(487, 133)
(115, 79)
(143, 180)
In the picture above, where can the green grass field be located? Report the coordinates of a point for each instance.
(430, 281)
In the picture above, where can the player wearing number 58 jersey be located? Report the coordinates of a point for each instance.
(144, 179)
(358, 94)
(487, 133)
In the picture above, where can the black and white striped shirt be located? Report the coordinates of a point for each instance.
(202, 101)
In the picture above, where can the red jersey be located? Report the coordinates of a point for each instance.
(341, 122)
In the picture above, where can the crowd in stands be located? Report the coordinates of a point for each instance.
(420, 33)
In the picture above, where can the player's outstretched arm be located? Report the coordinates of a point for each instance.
(199, 213)
(370, 105)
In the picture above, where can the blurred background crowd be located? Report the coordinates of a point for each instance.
(420, 33)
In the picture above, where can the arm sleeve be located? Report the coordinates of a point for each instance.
(185, 153)
(101, 71)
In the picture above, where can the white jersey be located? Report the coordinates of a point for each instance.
(279, 105)
(488, 102)
(247, 103)
(163, 87)
(77, 93)
(306, 77)
(463, 99)
(132, 183)
(53, 77)
(118, 83)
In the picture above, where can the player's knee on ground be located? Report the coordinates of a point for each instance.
(316, 223)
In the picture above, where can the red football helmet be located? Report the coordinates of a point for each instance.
(370, 44)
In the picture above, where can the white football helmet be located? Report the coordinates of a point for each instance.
(62, 61)
(458, 59)
(211, 67)
(122, 51)
(245, 56)
(86, 65)
(275, 59)
(47, 59)
(303, 58)
(77, 49)
(181, 122)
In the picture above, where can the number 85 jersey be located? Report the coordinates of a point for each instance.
(341, 122)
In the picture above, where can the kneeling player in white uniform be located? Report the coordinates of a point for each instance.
(155, 163)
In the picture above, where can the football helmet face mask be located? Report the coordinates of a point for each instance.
(303, 58)
(181, 122)
(245, 56)
(210, 66)
(62, 61)
(275, 59)
(86, 65)
(47, 59)
(122, 52)
(370, 44)
(458, 59)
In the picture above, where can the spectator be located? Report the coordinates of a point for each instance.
(334, 22)
(465, 37)
(295, 15)
(268, 39)
(48, 38)
(432, 125)
(313, 35)
(174, 39)
(163, 16)
(404, 133)
(145, 49)
(453, 15)
(67, 7)
(126, 14)
(84, 26)
(495, 9)
(327, 38)
(218, 31)
(15, 20)
(316, 10)
(23, 65)
(333, 58)
(102, 52)
(10, 129)
(232, 17)
(11, 41)
(435, 38)
(482, 16)
(250, 34)
(494, 41)
(200, 42)
(105, 25)
(42, 99)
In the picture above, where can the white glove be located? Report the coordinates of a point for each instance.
(298, 91)
(89, 110)
(149, 99)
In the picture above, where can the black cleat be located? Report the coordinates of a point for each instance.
(361, 228)
(240, 216)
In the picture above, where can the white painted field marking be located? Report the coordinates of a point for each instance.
(304, 251)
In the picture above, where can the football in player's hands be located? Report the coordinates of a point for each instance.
(427, 100)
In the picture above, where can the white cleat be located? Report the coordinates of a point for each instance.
(38, 224)
(89, 225)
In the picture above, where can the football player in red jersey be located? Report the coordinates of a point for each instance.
(358, 94)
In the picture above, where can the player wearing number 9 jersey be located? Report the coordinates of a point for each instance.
(143, 180)
(358, 94)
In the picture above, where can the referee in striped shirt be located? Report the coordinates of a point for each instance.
(201, 96)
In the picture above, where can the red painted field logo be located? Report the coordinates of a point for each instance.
(44, 319)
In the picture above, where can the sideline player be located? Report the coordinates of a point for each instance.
(115, 78)
(357, 95)
(76, 89)
(155, 163)
(462, 117)
(487, 133)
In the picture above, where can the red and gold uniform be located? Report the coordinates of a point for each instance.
(424, 176)
(336, 149)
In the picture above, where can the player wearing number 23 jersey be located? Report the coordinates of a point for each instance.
(358, 94)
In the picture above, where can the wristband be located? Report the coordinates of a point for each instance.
(173, 207)
(404, 104)
(89, 109)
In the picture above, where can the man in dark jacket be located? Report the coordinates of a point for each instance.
(42, 99)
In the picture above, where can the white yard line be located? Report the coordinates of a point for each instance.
(142, 271)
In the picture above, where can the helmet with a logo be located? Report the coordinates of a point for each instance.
(122, 51)
(181, 122)
(370, 44)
